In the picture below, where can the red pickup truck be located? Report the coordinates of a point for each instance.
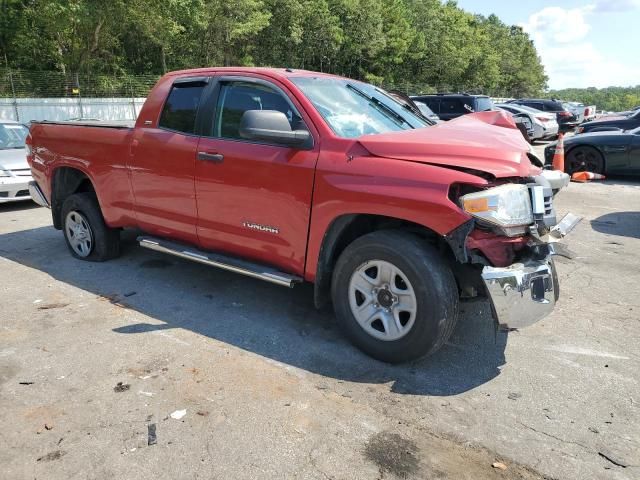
(292, 176)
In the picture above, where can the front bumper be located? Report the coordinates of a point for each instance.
(14, 189)
(522, 293)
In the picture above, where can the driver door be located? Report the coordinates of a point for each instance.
(253, 198)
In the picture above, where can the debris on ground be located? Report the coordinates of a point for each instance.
(146, 394)
(178, 414)
(499, 465)
(613, 458)
(51, 306)
(48, 426)
(25, 383)
(49, 457)
(514, 396)
(202, 413)
(130, 294)
(152, 439)
(121, 387)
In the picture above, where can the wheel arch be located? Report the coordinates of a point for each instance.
(346, 228)
(66, 181)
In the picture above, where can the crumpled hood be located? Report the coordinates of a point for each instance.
(486, 141)
(13, 158)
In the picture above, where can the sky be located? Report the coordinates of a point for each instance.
(589, 43)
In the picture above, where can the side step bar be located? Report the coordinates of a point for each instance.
(221, 261)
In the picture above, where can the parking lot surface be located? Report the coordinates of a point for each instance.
(98, 359)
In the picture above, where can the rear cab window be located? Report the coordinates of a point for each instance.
(181, 108)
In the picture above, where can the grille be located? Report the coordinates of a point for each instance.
(548, 204)
(22, 193)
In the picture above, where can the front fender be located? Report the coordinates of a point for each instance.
(403, 190)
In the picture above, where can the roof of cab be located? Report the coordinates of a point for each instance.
(267, 71)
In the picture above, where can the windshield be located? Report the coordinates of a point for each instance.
(352, 108)
(12, 135)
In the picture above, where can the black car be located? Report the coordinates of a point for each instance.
(453, 105)
(622, 122)
(607, 152)
(566, 119)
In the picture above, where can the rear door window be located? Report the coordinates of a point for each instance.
(181, 108)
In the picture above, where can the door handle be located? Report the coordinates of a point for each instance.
(210, 157)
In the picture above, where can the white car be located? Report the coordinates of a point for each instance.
(545, 124)
(15, 173)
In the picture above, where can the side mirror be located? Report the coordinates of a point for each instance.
(272, 126)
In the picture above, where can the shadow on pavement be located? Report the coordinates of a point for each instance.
(18, 206)
(271, 321)
(623, 224)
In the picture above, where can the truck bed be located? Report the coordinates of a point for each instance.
(120, 124)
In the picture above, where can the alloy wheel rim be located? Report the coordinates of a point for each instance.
(382, 300)
(79, 234)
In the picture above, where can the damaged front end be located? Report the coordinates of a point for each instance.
(512, 238)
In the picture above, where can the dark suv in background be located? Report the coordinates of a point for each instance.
(566, 119)
(453, 105)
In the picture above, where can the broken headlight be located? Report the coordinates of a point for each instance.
(507, 207)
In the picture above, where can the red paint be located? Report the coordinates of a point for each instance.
(499, 250)
(151, 179)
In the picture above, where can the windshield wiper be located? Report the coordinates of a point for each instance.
(408, 104)
(381, 106)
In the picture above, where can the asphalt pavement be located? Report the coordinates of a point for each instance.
(153, 367)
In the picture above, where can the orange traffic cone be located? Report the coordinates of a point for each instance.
(583, 177)
(558, 156)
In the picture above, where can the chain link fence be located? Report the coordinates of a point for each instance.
(42, 95)
(33, 95)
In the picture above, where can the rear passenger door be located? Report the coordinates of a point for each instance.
(254, 198)
(162, 164)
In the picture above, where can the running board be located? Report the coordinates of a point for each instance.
(221, 261)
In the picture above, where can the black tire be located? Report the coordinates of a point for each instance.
(105, 243)
(432, 280)
(584, 159)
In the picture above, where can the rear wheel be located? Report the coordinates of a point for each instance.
(85, 232)
(584, 159)
(394, 295)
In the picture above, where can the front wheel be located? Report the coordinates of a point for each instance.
(395, 296)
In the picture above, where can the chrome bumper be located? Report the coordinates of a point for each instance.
(557, 180)
(37, 195)
(522, 293)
